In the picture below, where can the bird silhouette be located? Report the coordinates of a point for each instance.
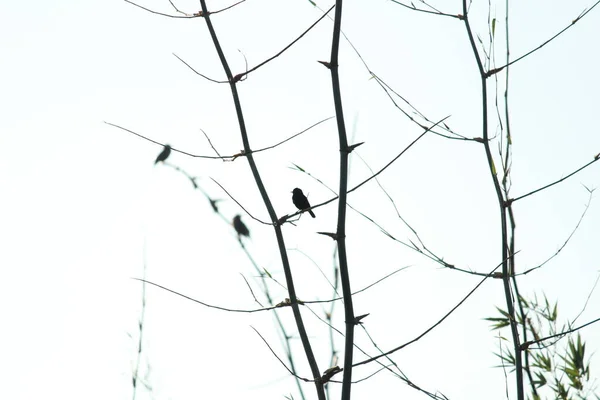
(240, 227)
(164, 154)
(301, 202)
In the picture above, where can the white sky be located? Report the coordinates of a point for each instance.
(83, 205)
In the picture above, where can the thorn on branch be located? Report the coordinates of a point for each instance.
(460, 16)
(325, 63)
(480, 140)
(329, 373)
(358, 318)
(352, 147)
(332, 235)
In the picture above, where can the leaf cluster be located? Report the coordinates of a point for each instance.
(555, 371)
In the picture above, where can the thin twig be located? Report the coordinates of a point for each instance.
(210, 143)
(378, 172)
(286, 47)
(596, 158)
(250, 288)
(526, 345)
(185, 15)
(401, 377)
(583, 14)
(209, 305)
(240, 204)
(293, 136)
(358, 291)
(280, 360)
(198, 73)
(587, 206)
(220, 157)
(433, 326)
(436, 12)
(163, 14)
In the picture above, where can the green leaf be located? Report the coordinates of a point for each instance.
(554, 314)
(506, 359)
(298, 167)
(540, 380)
(493, 27)
(542, 362)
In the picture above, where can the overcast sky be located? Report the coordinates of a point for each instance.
(84, 208)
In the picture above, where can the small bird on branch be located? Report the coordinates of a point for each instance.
(164, 154)
(240, 227)
(301, 202)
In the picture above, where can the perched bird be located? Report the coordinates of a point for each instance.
(240, 227)
(164, 154)
(300, 201)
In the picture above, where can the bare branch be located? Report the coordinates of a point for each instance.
(596, 158)
(358, 291)
(434, 12)
(206, 304)
(280, 360)
(184, 15)
(286, 47)
(239, 204)
(433, 326)
(219, 157)
(583, 14)
(248, 284)
(587, 206)
(198, 73)
(526, 345)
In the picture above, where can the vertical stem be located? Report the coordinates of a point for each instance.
(341, 225)
(511, 217)
(502, 205)
(273, 216)
(334, 353)
(136, 372)
(286, 336)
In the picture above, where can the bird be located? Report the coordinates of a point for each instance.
(164, 154)
(240, 227)
(301, 202)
